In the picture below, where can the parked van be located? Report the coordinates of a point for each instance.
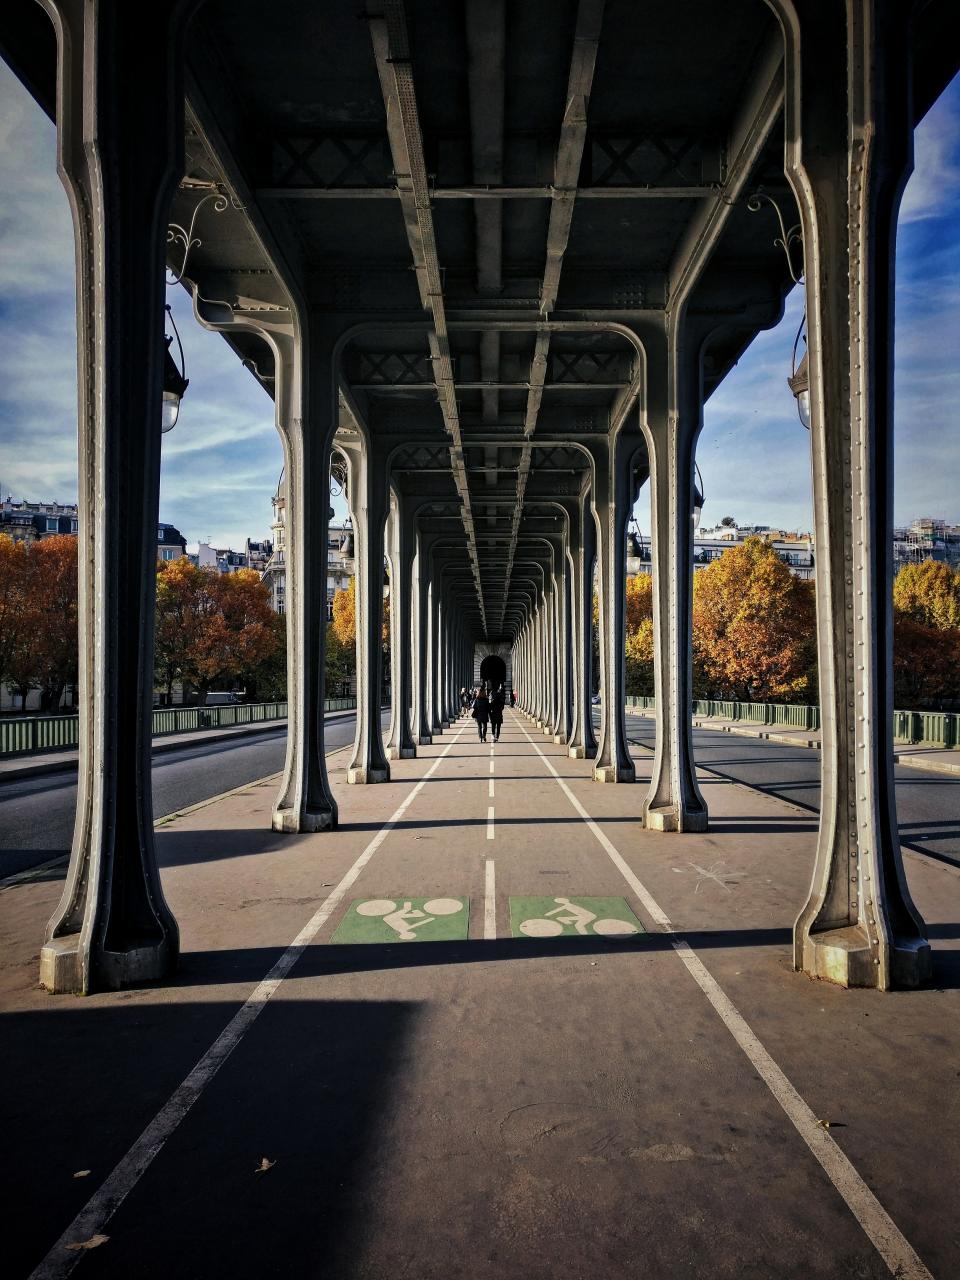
(222, 699)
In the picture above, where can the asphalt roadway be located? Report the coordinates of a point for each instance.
(493, 1031)
(36, 814)
(928, 804)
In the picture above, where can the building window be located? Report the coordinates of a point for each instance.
(53, 524)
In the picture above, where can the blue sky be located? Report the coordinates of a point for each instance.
(221, 463)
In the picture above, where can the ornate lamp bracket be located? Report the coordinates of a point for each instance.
(788, 237)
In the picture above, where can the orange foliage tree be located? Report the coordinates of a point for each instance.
(38, 617)
(754, 628)
(55, 605)
(211, 627)
(17, 620)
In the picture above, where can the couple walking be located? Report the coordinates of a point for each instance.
(489, 709)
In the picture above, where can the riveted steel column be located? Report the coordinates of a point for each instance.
(402, 547)
(562, 702)
(433, 674)
(671, 422)
(421, 669)
(583, 742)
(367, 492)
(848, 154)
(119, 151)
(611, 507)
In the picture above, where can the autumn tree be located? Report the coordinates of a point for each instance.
(17, 618)
(54, 644)
(754, 627)
(926, 635)
(345, 614)
(211, 627)
(928, 593)
(639, 637)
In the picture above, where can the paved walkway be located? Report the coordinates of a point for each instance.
(592, 1057)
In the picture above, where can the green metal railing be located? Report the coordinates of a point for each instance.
(22, 734)
(913, 728)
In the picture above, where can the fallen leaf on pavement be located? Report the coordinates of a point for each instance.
(93, 1243)
(265, 1165)
(82, 1173)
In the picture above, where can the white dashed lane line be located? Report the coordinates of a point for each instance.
(490, 903)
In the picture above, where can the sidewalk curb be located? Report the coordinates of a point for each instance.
(37, 768)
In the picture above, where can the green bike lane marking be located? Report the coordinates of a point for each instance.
(404, 919)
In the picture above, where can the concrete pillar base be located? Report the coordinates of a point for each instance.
(845, 956)
(559, 739)
(424, 740)
(447, 724)
(666, 819)
(401, 753)
(60, 969)
(582, 753)
(289, 822)
(610, 773)
(360, 776)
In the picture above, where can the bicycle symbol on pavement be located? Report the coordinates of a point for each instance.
(572, 917)
(405, 920)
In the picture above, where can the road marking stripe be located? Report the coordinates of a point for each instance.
(101, 1207)
(490, 788)
(886, 1237)
(492, 762)
(490, 826)
(490, 903)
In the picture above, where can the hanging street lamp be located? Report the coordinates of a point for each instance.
(174, 381)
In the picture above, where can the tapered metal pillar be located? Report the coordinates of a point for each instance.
(367, 491)
(401, 547)
(583, 542)
(119, 141)
(671, 424)
(433, 676)
(421, 670)
(612, 491)
(848, 154)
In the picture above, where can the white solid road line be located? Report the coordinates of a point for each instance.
(491, 832)
(886, 1237)
(490, 903)
(490, 788)
(101, 1207)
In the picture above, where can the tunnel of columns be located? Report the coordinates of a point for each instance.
(493, 258)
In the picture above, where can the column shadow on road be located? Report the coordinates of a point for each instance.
(202, 1200)
(204, 968)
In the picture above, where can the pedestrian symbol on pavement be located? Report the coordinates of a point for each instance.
(572, 918)
(404, 919)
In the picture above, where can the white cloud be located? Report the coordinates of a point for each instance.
(935, 181)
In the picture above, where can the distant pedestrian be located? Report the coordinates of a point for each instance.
(481, 713)
(513, 697)
(464, 699)
(496, 713)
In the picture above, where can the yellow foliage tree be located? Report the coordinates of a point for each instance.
(929, 593)
(345, 615)
(754, 627)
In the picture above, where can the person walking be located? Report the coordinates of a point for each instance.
(481, 712)
(496, 713)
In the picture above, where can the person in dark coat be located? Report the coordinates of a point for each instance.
(496, 713)
(481, 713)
